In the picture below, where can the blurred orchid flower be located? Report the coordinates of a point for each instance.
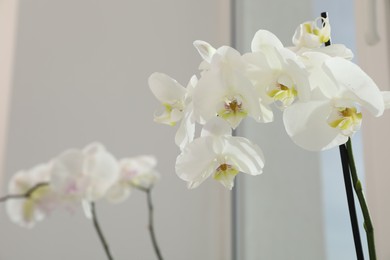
(84, 174)
(40, 202)
(137, 172)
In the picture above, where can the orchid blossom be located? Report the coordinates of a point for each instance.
(137, 172)
(40, 199)
(171, 94)
(277, 73)
(84, 174)
(224, 90)
(177, 101)
(311, 35)
(216, 153)
(341, 90)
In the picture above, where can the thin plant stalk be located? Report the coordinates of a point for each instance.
(151, 222)
(351, 202)
(345, 161)
(25, 195)
(99, 232)
(363, 205)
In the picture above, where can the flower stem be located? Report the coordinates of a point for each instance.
(351, 202)
(25, 195)
(99, 231)
(349, 168)
(348, 186)
(363, 205)
(151, 224)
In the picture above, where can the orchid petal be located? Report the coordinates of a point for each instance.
(196, 162)
(68, 177)
(186, 131)
(102, 168)
(205, 50)
(118, 192)
(246, 156)
(87, 208)
(262, 38)
(27, 211)
(386, 98)
(306, 124)
(353, 79)
(216, 127)
(337, 50)
(166, 89)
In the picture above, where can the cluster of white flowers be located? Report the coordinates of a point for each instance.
(77, 177)
(321, 92)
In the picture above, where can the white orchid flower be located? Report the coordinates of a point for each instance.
(341, 89)
(171, 94)
(277, 73)
(216, 153)
(84, 174)
(311, 36)
(27, 211)
(186, 131)
(224, 90)
(137, 172)
(177, 101)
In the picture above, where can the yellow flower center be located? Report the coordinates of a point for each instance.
(283, 94)
(347, 119)
(225, 171)
(232, 107)
(312, 28)
(233, 110)
(170, 109)
(30, 203)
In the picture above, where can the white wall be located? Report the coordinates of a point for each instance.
(375, 60)
(80, 75)
(8, 11)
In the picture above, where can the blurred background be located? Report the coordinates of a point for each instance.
(73, 72)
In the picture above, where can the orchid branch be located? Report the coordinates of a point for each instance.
(351, 201)
(363, 205)
(151, 222)
(99, 231)
(25, 195)
(345, 161)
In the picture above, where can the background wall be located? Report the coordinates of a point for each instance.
(8, 20)
(374, 58)
(79, 75)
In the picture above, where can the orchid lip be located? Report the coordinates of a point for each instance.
(347, 119)
(283, 94)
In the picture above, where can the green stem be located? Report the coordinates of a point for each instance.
(25, 195)
(363, 205)
(99, 231)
